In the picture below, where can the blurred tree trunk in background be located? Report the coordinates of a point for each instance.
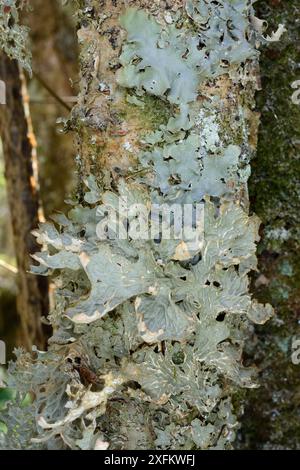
(55, 63)
(23, 199)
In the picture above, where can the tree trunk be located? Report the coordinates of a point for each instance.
(149, 330)
(55, 63)
(270, 420)
(23, 197)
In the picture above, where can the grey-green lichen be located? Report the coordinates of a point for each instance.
(13, 36)
(171, 61)
(149, 333)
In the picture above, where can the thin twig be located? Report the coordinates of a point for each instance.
(51, 91)
(8, 267)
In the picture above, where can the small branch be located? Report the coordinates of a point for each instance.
(51, 91)
(8, 267)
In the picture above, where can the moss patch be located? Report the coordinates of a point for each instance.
(272, 412)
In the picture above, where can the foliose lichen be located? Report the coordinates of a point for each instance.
(149, 333)
(13, 36)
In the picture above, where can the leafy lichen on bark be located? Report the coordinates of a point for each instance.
(162, 326)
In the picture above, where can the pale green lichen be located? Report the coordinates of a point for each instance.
(165, 322)
(171, 62)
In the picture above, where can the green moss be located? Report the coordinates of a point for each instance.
(272, 413)
(275, 184)
(152, 113)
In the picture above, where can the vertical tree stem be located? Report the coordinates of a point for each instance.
(19, 149)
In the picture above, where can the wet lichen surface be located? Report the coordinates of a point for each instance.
(272, 417)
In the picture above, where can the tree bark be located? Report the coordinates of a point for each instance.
(270, 421)
(54, 61)
(110, 137)
(23, 196)
(166, 113)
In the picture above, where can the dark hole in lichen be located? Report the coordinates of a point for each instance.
(221, 316)
(133, 385)
(195, 260)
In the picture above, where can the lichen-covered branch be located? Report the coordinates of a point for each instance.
(165, 116)
(13, 36)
